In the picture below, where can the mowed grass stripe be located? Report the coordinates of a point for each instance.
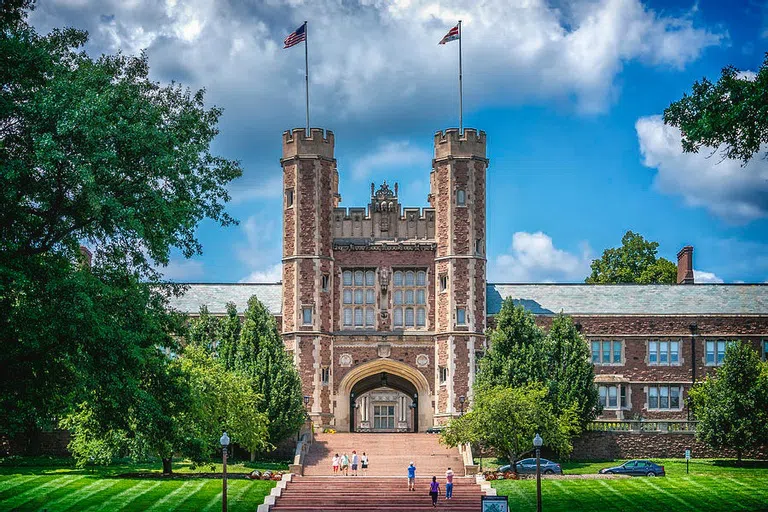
(73, 496)
(38, 491)
(171, 495)
(188, 501)
(144, 491)
(118, 501)
(615, 492)
(10, 483)
(648, 481)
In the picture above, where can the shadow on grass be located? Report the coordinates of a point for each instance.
(744, 464)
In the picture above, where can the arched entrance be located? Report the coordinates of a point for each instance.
(384, 395)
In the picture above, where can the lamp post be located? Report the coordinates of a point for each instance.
(537, 442)
(462, 398)
(224, 444)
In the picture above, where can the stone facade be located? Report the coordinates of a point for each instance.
(384, 293)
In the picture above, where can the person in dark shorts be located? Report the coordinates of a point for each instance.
(434, 490)
(355, 462)
(364, 461)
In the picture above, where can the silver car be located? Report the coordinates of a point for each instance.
(528, 467)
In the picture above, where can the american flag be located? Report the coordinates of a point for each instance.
(299, 35)
(452, 35)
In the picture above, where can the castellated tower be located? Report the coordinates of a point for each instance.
(457, 193)
(310, 193)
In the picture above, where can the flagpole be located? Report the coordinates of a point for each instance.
(461, 89)
(306, 72)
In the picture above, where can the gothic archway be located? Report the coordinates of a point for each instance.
(392, 374)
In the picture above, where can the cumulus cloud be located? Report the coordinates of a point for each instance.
(533, 257)
(376, 65)
(388, 155)
(260, 250)
(726, 188)
(702, 277)
(182, 270)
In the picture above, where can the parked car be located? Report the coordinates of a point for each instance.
(528, 467)
(434, 430)
(636, 468)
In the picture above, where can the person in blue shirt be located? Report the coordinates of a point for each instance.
(411, 477)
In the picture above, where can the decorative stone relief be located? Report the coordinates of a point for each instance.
(422, 360)
(345, 360)
(384, 349)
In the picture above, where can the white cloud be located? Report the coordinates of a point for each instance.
(747, 75)
(262, 248)
(702, 277)
(734, 192)
(182, 270)
(388, 155)
(534, 258)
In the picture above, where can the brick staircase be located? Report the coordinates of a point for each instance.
(373, 494)
(389, 454)
(385, 488)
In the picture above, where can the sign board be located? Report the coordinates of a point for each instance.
(687, 454)
(494, 504)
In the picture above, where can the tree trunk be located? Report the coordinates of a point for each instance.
(253, 455)
(167, 466)
(738, 456)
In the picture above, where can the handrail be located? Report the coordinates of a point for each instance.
(681, 426)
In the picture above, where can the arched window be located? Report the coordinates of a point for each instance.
(398, 278)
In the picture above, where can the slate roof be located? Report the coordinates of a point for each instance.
(541, 299)
(216, 296)
(628, 299)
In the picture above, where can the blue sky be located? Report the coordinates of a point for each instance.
(569, 94)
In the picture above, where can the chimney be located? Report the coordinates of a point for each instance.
(86, 256)
(685, 265)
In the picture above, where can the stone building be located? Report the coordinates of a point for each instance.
(384, 307)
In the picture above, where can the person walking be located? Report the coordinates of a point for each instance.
(335, 464)
(449, 484)
(364, 461)
(434, 490)
(411, 477)
(355, 462)
(345, 465)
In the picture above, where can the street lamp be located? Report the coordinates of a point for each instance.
(462, 398)
(537, 442)
(224, 443)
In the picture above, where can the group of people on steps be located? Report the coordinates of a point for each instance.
(341, 464)
(434, 485)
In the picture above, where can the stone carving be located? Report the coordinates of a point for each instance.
(384, 191)
(384, 349)
(384, 279)
(345, 360)
(422, 360)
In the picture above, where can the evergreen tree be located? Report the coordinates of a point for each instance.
(731, 406)
(203, 330)
(571, 375)
(229, 335)
(517, 346)
(261, 355)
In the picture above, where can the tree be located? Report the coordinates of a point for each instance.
(183, 407)
(571, 374)
(731, 406)
(507, 418)
(91, 150)
(229, 335)
(516, 355)
(634, 262)
(203, 330)
(729, 114)
(261, 356)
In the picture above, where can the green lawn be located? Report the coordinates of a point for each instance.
(710, 486)
(53, 485)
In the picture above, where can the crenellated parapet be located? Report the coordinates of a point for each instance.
(319, 143)
(395, 223)
(451, 143)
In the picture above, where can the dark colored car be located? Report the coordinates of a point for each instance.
(636, 468)
(434, 430)
(528, 467)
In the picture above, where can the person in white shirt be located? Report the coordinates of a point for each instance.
(364, 460)
(449, 484)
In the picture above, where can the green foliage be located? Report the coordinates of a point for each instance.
(92, 150)
(732, 405)
(517, 345)
(731, 114)
(571, 374)
(521, 353)
(203, 330)
(506, 419)
(229, 336)
(261, 356)
(634, 262)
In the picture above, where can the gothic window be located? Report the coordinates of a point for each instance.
(358, 298)
(289, 198)
(325, 282)
(461, 316)
(306, 315)
(443, 282)
(325, 375)
(461, 197)
(410, 298)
